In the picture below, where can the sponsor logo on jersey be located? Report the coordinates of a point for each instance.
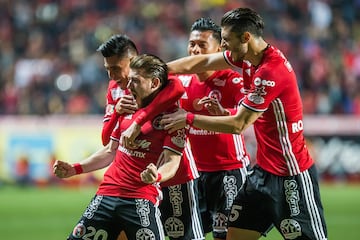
(290, 228)
(174, 227)
(263, 82)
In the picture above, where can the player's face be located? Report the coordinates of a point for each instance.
(118, 69)
(140, 87)
(202, 43)
(230, 41)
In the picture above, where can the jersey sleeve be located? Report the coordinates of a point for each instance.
(264, 90)
(168, 96)
(110, 116)
(175, 141)
(108, 127)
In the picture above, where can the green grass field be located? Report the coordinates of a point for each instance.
(50, 213)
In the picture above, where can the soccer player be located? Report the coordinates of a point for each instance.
(222, 163)
(282, 190)
(128, 196)
(180, 192)
(117, 52)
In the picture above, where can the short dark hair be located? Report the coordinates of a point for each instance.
(120, 45)
(243, 20)
(206, 24)
(151, 66)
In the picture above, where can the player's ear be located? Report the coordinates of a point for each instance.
(155, 83)
(245, 37)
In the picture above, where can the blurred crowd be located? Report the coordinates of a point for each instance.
(49, 63)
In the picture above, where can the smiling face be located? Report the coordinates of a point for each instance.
(141, 86)
(118, 69)
(232, 42)
(202, 42)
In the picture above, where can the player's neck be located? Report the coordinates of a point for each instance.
(204, 75)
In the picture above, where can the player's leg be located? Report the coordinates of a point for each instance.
(180, 212)
(250, 217)
(220, 190)
(98, 221)
(301, 215)
(141, 219)
(122, 236)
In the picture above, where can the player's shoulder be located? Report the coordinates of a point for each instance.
(112, 84)
(229, 75)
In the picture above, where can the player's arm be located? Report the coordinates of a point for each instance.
(125, 105)
(165, 98)
(198, 63)
(98, 160)
(165, 172)
(108, 127)
(234, 124)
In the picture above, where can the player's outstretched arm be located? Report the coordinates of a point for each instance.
(98, 160)
(198, 63)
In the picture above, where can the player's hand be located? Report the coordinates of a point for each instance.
(174, 121)
(150, 174)
(213, 106)
(127, 138)
(63, 169)
(126, 104)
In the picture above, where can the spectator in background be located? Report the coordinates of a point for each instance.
(62, 36)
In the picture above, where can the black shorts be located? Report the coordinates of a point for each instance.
(217, 192)
(180, 212)
(291, 204)
(105, 217)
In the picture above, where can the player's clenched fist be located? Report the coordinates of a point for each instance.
(150, 174)
(63, 169)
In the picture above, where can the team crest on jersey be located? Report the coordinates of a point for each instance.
(215, 94)
(145, 234)
(79, 230)
(290, 228)
(156, 123)
(179, 139)
(257, 99)
(174, 227)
